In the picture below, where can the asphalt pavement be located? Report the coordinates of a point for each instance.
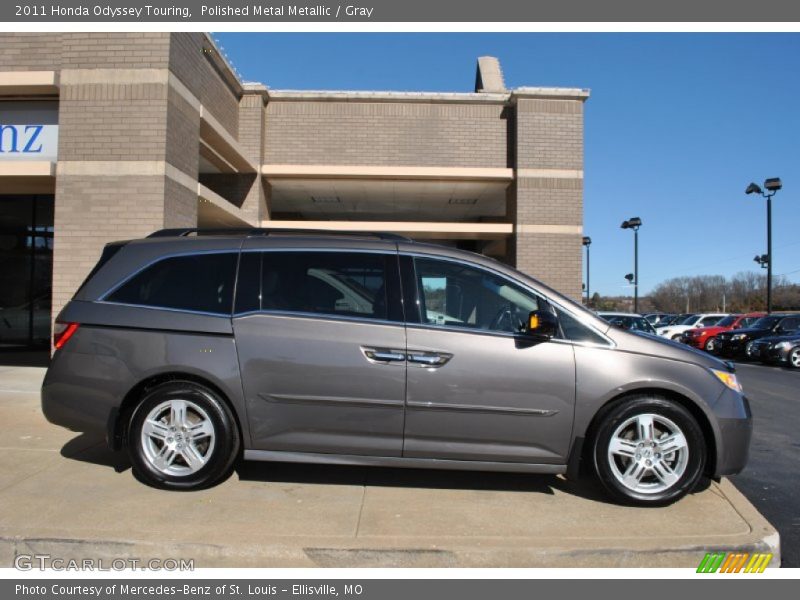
(771, 480)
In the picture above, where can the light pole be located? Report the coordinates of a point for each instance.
(634, 223)
(772, 186)
(587, 241)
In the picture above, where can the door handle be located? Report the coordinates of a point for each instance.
(383, 355)
(436, 359)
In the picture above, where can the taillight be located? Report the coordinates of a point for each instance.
(62, 332)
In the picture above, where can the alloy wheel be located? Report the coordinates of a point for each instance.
(648, 453)
(178, 437)
(794, 358)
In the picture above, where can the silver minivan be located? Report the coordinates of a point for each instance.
(191, 349)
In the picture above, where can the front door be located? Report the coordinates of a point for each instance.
(321, 347)
(477, 389)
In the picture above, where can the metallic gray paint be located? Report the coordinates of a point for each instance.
(309, 393)
(357, 403)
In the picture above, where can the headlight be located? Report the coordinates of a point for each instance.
(729, 379)
(739, 336)
(783, 345)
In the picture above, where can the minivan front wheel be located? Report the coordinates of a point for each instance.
(182, 436)
(648, 451)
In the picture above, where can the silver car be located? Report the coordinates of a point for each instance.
(191, 349)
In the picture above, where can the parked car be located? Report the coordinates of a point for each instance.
(656, 319)
(189, 350)
(733, 344)
(629, 321)
(778, 349)
(675, 330)
(704, 338)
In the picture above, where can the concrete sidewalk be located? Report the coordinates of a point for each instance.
(66, 495)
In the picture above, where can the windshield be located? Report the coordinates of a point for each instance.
(727, 321)
(690, 320)
(766, 323)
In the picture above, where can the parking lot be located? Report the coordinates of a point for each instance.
(770, 480)
(64, 494)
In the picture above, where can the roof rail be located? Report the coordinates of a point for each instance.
(183, 232)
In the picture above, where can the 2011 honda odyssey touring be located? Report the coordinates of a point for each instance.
(192, 348)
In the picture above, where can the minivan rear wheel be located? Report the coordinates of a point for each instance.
(182, 436)
(648, 451)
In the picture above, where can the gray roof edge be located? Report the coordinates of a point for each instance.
(385, 96)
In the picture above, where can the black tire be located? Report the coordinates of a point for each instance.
(220, 457)
(676, 337)
(618, 414)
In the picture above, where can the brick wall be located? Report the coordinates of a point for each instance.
(549, 135)
(374, 133)
(554, 259)
(112, 122)
(115, 50)
(197, 72)
(30, 51)
(182, 134)
(91, 211)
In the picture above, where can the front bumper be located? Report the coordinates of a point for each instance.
(730, 348)
(695, 342)
(735, 422)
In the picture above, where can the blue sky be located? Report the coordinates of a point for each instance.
(676, 127)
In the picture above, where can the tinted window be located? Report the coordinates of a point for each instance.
(350, 284)
(577, 331)
(790, 324)
(198, 282)
(458, 295)
(765, 323)
(709, 321)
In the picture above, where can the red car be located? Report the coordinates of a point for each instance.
(704, 337)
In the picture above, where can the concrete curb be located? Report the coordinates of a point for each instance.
(384, 552)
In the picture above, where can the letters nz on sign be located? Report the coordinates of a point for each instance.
(28, 131)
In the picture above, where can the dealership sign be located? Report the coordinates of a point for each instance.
(28, 131)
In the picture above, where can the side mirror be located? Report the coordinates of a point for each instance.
(542, 323)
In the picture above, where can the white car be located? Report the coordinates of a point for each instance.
(676, 330)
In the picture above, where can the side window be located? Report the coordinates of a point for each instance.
(790, 324)
(456, 295)
(197, 282)
(352, 284)
(576, 331)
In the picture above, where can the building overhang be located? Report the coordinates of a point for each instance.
(418, 229)
(386, 172)
(28, 83)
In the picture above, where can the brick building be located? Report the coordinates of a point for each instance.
(107, 136)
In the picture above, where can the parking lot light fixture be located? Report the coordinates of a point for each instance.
(587, 241)
(762, 260)
(772, 185)
(634, 223)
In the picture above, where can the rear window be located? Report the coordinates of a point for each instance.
(197, 282)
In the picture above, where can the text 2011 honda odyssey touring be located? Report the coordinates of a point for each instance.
(369, 349)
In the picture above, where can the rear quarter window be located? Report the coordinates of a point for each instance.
(196, 282)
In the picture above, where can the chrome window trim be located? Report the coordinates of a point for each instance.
(167, 308)
(523, 285)
(317, 316)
